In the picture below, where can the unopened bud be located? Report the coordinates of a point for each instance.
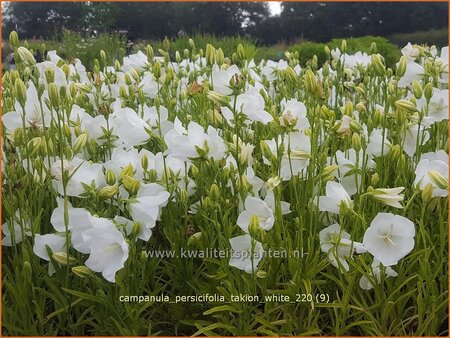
(253, 226)
(438, 179)
(401, 67)
(214, 193)
(14, 39)
(108, 192)
(80, 143)
(127, 171)
(82, 271)
(218, 98)
(21, 91)
(378, 65)
(131, 184)
(356, 142)
(417, 89)
(428, 91)
(406, 106)
(64, 259)
(26, 56)
(427, 193)
(374, 179)
(53, 95)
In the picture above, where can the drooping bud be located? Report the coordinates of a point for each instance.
(82, 271)
(438, 179)
(64, 259)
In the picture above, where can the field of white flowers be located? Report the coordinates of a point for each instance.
(106, 173)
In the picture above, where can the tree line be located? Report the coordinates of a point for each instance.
(316, 21)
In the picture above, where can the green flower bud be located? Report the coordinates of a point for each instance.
(401, 67)
(123, 92)
(378, 65)
(326, 69)
(218, 98)
(149, 52)
(126, 171)
(80, 143)
(53, 95)
(131, 184)
(310, 81)
(405, 105)
(108, 192)
(157, 70)
(220, 57)
(417, 89)
(49, 75)
(348, 108)
(136, 229)
(34, 145)
(110, 177)
(261, 274)
(344, 46)
(152, 175)
(27, 270)
(374, 179)
(253, 226)
(103, 57)
(18, 137)
(214, 193)
(68, 153)
(428, 91)
(373, 48)
(194, 171)
(21, 91)
(144, 162)
(67, 131)
(265, 149)
(395, 152)
(184, 197)
(14, 39)
(356, 142)
(427, 193)
(438, 179)
(82, 271)
(194, 238)
(26, 56)
(64, 259)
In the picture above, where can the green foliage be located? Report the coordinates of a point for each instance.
(387, 49)
(270, 53)
(438, 37)
(307, 50)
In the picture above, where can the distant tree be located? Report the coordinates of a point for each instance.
(321, 21)
(44, 19)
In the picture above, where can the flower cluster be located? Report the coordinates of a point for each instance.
(241, 154)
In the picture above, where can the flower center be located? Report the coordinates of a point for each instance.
(387, 237)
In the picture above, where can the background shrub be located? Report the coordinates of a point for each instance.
(438, 37)
(390, 51)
